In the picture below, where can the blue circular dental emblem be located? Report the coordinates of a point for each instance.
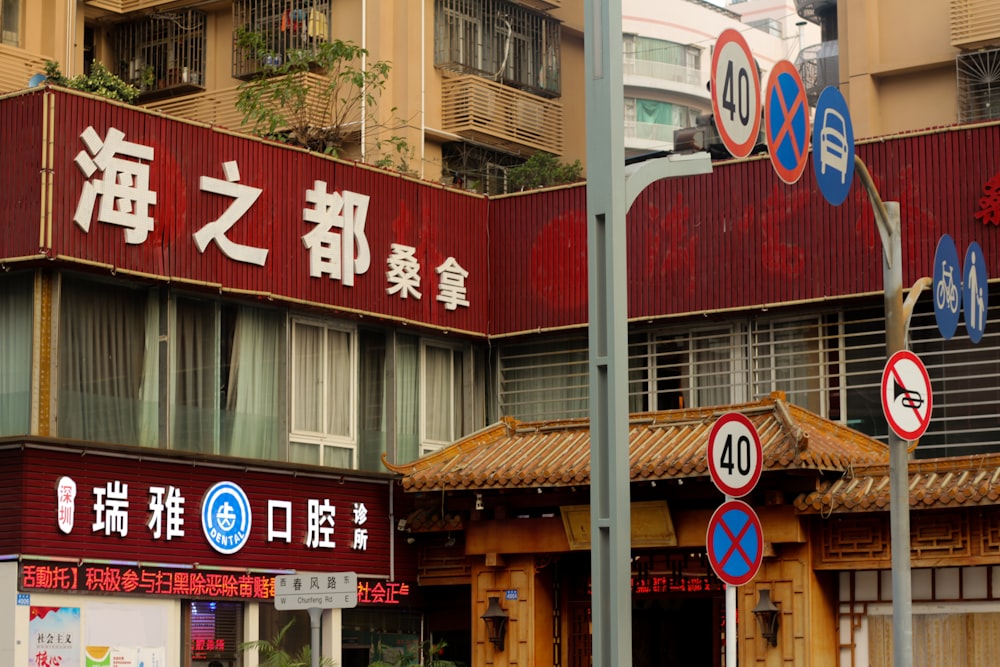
(225, 517)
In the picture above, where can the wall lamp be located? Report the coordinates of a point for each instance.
(767, 614)
(496, 622)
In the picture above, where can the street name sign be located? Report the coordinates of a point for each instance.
(316, 590)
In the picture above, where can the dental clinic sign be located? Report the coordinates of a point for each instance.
(226, 516)
(166, 509)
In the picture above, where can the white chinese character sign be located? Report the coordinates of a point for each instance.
(170, 512)
(151, 195)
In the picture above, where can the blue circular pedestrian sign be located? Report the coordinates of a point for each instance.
(833, 146)
(975, 294)
(735, 542)
(947, 286)
(786, 116)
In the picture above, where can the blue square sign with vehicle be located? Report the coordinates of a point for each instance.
(833, 146)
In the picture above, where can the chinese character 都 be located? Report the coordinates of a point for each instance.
(329, 252)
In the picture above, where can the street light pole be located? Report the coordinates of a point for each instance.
(896, 319)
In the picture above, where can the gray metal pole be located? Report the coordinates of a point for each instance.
(890, 230)
(315, 623)
(610, 520)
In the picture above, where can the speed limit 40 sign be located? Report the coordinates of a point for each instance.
(735, 93)
(735, 458)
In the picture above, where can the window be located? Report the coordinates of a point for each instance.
(544, 380)
(697, 368)
(664, 60)
(978, 85)
(323, 397)
(212, 631)
(442, 395)
(108, 365)
(163, 54)
(10, 22)
(500, 40)
(225, 378)
(283, 24)
(655, 120)
(787, 357)
(770, 26)
(15, 354)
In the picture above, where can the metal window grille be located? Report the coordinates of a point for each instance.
(978, 85)
(163, 54)
(829, 363)
(284, 26)
(499, 40)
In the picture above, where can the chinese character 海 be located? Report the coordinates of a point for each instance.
(451, 284)
(244, 197)
(111, 506)
(123, 184)
(329, 252)
(320, 524)
(169, 501)
(404, 272)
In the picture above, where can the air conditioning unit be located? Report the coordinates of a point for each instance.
(704, 136)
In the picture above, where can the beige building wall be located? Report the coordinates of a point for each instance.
(897, 65)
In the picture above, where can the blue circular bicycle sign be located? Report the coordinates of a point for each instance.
(947, 286)
(225, 517)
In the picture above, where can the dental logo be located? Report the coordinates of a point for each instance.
(225, 517)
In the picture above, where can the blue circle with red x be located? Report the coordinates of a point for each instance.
(735, 542)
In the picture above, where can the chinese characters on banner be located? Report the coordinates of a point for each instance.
(117, 191)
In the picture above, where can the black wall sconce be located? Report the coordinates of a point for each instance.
(496, 622)
(767, 614)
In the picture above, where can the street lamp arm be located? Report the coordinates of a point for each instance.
(882, 220)
(640, 175)
(911, 299)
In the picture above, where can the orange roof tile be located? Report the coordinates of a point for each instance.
(663, 445)
(933, 483)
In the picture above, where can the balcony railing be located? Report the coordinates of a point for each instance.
(819, 67)
(662, 134)
(501, 116)
(125, 6)
(17, 66)
(218, 107)
(663, 72)
(975, 23)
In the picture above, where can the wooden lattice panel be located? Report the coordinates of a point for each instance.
(940, 534)
(990, 533)
(855, 538)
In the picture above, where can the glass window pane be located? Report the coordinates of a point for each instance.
(213, 631)
(102, 348)
(340, 379)
(438, 402)
(371, 400)
(255, 383)
(308, 377)
(15, 354)
(195, 379)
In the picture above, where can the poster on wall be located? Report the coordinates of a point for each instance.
(118, 656)
(54, 637)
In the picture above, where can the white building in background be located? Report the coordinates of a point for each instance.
(668, 58)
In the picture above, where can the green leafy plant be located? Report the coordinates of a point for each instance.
(317, 98)
(426, 653)
(542, 170)
(273, 654)
(100, 81)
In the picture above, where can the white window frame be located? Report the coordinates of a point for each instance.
(764, 380)
(428, 445)
(321, 440)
